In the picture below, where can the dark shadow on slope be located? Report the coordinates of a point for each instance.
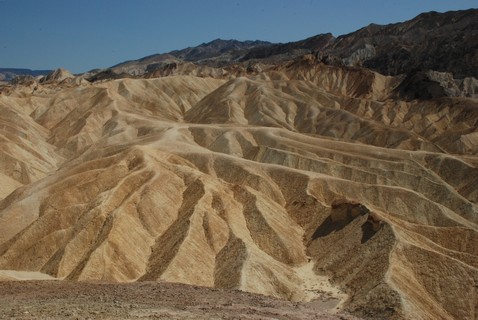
(342, 215)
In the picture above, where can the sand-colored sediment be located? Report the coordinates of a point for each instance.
(303, 183)
(12, 275)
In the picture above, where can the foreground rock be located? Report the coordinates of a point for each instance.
(70, 300)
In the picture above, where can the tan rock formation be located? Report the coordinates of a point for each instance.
(240, 183)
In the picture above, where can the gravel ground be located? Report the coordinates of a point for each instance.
(145, 300)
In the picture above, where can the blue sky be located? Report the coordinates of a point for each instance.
(80, 35)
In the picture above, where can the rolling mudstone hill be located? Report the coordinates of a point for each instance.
(289, 178)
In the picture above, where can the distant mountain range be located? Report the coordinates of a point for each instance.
(7, 74)
(446, 42)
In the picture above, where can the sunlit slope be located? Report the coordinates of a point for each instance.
(240, 183)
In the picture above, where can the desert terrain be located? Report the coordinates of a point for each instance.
(146, 300)
(319, 190)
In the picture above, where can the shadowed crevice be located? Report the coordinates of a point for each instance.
(263, 234)
(229, 263)
(167, 245)
(102, 235)
(341, 215)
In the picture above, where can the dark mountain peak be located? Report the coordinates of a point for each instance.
(433, 20)
(233, 42)
(217, 43)
(221, 45)
(428, 15)
(285, 51)
(444, 42)
(449, 15)
(215, 48)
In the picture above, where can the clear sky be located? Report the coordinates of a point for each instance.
(80, 35)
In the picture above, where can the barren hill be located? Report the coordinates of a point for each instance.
(437, 41)
(271, 184)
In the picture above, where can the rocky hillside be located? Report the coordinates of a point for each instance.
(297, 182)
(446, 42)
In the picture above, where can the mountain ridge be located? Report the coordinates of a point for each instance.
(375, 47)
(453, 34)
